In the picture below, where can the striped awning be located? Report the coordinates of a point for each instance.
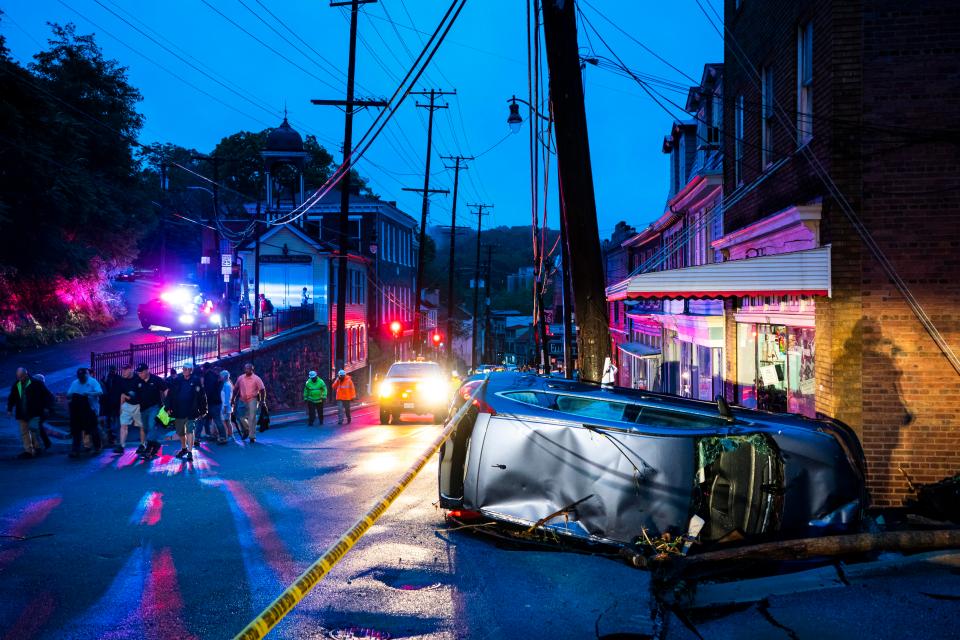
(804, 273)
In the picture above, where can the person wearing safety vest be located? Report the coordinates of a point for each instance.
(343, 386)
(314, 393)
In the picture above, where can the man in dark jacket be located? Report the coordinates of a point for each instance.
(29, 399)
(110, 404)
(186, 401)
(211, 387)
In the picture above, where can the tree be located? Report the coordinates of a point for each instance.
(71, 194)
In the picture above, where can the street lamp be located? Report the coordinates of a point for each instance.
(515, 120)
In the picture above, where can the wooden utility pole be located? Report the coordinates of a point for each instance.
(432, 106)
(349, 106)
(489, 348)
(457, 166)
(576, 186)
(479, 212)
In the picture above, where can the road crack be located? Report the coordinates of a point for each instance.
(764, 608)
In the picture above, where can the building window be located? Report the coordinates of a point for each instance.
(805, 84)
(766, 117)
(738, 141)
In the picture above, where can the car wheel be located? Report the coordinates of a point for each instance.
(384, 416)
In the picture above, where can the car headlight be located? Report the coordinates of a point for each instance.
(185, 318)
(433, 390)
(386, 389)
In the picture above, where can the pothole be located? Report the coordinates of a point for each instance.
(408, 579)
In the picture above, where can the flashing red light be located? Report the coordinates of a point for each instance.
(436, 338)
(395, 327)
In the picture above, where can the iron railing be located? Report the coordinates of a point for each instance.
(199, 346)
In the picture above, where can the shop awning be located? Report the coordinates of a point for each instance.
(639, 349)
(799, 273)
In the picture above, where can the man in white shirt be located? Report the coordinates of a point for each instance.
(84, 395)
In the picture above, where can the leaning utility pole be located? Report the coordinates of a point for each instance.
(476, 282)
(453, 248)
(348, 105)
(433, 94)
(576, 186)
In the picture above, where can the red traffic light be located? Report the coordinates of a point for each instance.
(395, 327)
(436, 338)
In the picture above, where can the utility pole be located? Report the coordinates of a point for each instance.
(214, 246)
(256, 265)
(163, 222)
(489, 347)
(349, 104)
(576, 186)
(476, 282)
(433, 94)
(453, 248)
(566, 306)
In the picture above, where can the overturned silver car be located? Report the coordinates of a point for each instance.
(614, 465)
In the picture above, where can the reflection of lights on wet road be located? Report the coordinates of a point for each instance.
(148, 509)
(380, 462)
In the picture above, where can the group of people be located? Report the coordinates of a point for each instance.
(192, 404)
(189, 403)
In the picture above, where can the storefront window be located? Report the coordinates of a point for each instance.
(775, 368)
(688, 370)
(747, 365)
(670, 378)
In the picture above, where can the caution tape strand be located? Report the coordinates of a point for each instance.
(260, 626)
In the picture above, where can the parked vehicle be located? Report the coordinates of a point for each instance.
(615, 465)
(128, 275)
(414, 387)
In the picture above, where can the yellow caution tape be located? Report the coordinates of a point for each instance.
(284, 604)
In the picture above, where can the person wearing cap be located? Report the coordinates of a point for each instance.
(226, 409)
(149, 390)
(343, 386)
(314, 393)
(250, 390)
(129, 408)
(186, 402)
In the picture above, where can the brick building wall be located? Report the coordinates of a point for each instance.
(886, 113)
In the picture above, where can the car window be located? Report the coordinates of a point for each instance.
(414, 370)
(603, 409)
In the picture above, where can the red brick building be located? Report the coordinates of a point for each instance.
(882, 79)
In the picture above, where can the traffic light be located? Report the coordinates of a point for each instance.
(436, 338)
(395, 328)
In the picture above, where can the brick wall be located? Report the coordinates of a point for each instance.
(886, 113)
(284, 362)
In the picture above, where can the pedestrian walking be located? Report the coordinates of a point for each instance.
(211, 387)
(44, 437)
(126, 386)
(314, 393)
(150, 390)
(29, 399)
(345, 393)
(84, 404)
(110, 405)
(250, 390)
(226, 406)
(186, 402)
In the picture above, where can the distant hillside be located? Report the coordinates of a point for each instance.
(512, 250)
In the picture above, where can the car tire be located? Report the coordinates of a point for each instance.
(384, 416)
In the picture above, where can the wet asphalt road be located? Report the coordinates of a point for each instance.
(109, 547)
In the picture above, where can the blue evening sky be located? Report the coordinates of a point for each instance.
(484, 58)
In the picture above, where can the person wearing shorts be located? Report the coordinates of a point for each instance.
(129, 409)
(187, 403)
(149, 391)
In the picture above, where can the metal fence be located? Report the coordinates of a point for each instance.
(200, 346)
